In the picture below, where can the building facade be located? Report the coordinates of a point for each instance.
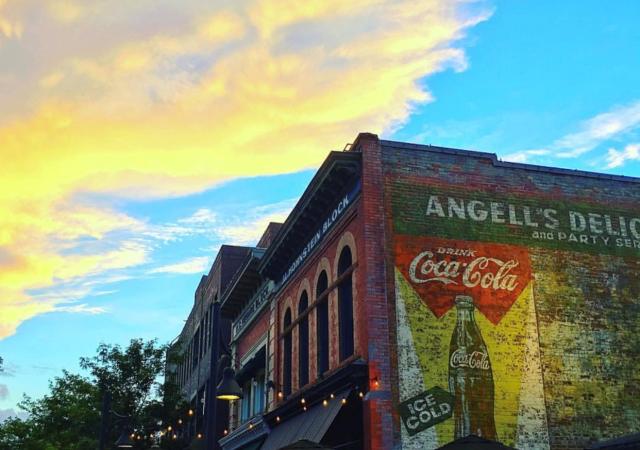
(419, 294)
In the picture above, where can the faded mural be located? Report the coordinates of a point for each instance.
(525, 310)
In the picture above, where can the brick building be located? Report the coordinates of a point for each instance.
(418, 294)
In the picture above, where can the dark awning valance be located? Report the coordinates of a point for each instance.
(311, 425)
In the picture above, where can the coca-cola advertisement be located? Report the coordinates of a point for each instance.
(525, 311)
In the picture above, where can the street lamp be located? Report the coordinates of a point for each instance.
(228, 389)
(124, 441)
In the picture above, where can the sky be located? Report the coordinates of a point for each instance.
(137, 137)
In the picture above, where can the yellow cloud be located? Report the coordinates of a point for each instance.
(65, 11)
(261, 88)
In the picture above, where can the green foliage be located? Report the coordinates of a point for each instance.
(129, 374)
(68, 417)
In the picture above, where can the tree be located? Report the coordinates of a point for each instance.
(131, 375)
(68, 417)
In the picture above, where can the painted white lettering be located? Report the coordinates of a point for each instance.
(552, 221)
(497, 212)
(456, 208)
(434, 206)
(633, 227)
(577, 221)
(477, 215)
(595, 223)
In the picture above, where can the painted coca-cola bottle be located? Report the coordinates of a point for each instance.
(470, 376)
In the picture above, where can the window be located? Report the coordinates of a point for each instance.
(245, 407)
(253, 396)
(259, 393)
(345, 305)
(286, 379)
(196, 348)
(322, 330)
(303, 341)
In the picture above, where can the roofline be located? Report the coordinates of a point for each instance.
(256, 253)
(512, 165)
(304, 201)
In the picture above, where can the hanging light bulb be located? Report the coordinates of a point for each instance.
(325, 402)
(169, 428)
(191, 412)
(344, 401)
(278, 419)
(179, 421)
(332, 396)
(303, 401)
(199, 435)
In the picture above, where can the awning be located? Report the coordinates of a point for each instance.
(310, 425)
(473, 442)
(628, 442)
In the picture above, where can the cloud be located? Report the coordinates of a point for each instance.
(4, 392)
(249, 227)
(593, 132)
(82, 308)
(199, 264)
(165, 99)
(7, 413)
(617, 158)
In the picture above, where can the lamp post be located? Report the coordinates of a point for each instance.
(124, 441)
(228, 389)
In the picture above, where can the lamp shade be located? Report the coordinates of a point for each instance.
(125, 441)
(228, 389)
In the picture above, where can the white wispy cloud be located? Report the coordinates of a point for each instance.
(613, 124)
(198, 264)
(81, 308)
(247, 228)
(616, 158)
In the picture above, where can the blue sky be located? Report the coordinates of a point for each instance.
(130, 157)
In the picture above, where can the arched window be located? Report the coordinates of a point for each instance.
(303, 341)
(345, 305)
(322, 329)
(286, 379)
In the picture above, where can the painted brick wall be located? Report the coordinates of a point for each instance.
(562, 342)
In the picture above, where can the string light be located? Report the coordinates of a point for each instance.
(278, 419)
(225, 432)
(199, 435)
(280, 394)
(169, 428)
(325, 402)
(304, 408)
(344, 401)
(175, 436)
(191, 412)
(332, 396)
(361, 394)
(303, 401)
(250, 425)
(179, 421)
